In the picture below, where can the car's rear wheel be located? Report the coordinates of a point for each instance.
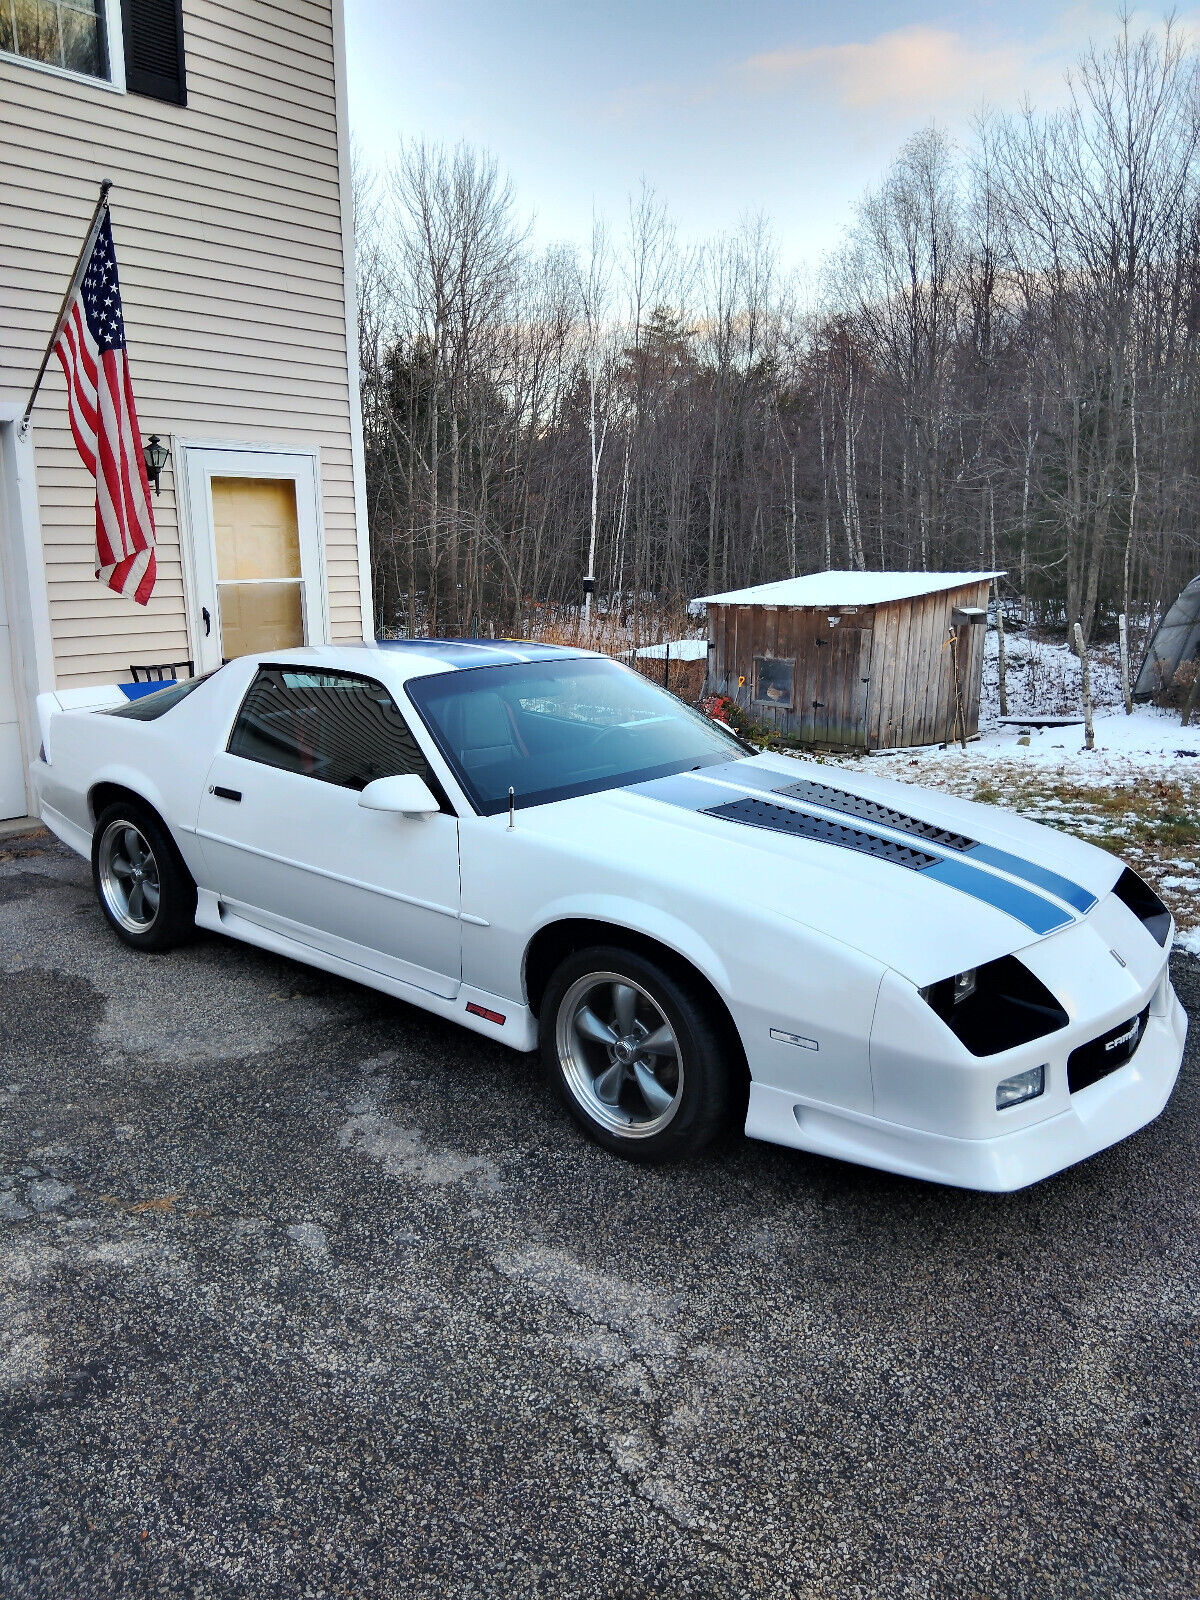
(636, 1054)
(144, 889)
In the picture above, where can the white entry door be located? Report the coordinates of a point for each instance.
(257, 568)
(12, 755)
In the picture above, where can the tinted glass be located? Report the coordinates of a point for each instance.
(149, 707)
(62, 33)
(334, 726)
(552, 729)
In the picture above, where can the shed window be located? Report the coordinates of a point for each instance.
(58, 33)
(775, 681)
(153, 31)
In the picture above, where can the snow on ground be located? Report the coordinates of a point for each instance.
(680, 649)
(1137, 793)
(1045, 676)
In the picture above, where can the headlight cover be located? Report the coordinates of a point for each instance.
(1020, 1087)
(1140, 898)
(995, 1007)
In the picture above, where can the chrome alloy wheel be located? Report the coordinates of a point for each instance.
(619, 1055)
(129, 877)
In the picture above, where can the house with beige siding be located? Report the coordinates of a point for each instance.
(222, 125)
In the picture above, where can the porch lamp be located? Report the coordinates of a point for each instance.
(155, 454)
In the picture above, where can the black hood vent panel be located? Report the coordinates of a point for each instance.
(782, 819)
(857, 805)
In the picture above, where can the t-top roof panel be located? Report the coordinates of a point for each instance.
(819, 589)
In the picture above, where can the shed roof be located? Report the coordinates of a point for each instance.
(846, 588)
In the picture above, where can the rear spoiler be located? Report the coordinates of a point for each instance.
(96, 697)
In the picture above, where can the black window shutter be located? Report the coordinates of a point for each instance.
(153, 31)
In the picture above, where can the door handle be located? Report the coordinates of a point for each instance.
(223, 793)
(207, 621)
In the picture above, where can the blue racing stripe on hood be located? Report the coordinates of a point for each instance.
(1053, 882)
(847, 803)
(1038, 914)
(692, 793)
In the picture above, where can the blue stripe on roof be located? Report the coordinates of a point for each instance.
(477, 652)
(138, 691)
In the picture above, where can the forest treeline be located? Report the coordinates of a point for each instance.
(1000, 367)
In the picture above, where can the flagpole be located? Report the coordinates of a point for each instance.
(72, 287)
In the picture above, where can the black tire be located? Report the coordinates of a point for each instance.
(699, 1078)
(133, 916)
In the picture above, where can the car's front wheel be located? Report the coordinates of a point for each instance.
(637, 1054)
(144, 889)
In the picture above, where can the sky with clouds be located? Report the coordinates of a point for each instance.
(726, 108)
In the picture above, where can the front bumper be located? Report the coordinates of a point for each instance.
(1094, 1119)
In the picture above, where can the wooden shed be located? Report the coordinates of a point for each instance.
(866, 660)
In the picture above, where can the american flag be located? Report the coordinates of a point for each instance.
(91, 347)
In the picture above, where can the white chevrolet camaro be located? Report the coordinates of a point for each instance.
(543, 846)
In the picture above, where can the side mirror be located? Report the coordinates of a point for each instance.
(406, 794)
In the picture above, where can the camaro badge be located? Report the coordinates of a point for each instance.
(1123, 1038)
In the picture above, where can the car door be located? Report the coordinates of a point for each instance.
(288, 845)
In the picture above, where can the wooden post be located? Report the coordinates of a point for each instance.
(1085, 672)
(1002, 661)
(667, 664)
(960, 722)
(1126, 687)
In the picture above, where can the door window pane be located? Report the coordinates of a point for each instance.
(61, 33)
(259, 616)
(256, 527)
(334, 726)
(257, 536)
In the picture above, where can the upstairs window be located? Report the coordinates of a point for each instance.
(68, 34)
(153, 35)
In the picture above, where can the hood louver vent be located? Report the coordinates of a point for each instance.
(857, 805)
(781, 819)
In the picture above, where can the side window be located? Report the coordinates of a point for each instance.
(334, 726)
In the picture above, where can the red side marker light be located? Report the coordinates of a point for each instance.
(488, 1016)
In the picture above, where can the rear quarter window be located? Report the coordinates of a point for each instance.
(149, 707)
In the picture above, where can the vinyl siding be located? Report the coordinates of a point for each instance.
(227, 217)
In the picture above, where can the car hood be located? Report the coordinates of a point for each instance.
(925, 883)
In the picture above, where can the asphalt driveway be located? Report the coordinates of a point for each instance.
(303, 1292)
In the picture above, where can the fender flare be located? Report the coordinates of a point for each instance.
(636, 916)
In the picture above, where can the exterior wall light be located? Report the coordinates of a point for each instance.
(156, 455)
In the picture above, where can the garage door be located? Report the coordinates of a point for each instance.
(12, 761)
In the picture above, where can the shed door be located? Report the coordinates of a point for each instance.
(832, 672)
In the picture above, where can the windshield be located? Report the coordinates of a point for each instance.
(554, 729)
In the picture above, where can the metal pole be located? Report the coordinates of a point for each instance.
(72, 287)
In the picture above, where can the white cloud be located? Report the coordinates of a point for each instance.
(913, 70)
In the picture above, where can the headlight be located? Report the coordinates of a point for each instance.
(1020, 1087)
(995, 1007)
